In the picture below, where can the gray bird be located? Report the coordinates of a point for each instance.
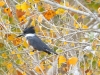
(35, 41)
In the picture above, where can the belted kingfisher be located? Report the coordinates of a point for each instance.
(35, 41)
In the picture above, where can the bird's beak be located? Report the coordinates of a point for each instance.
(20, 35)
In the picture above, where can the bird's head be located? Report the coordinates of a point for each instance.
(28, 30)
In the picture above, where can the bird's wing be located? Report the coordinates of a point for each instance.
(37, 43)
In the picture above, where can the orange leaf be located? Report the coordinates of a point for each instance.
(72, 60)
(49, 14)
(58, 1)
(2, 3)
(19, 13)
(8, 11)
(36, 1)
(17, 41)
(22, 20)
(18, 72)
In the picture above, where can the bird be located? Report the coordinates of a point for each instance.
(35, 41)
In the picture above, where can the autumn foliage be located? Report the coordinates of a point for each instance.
(69, 27)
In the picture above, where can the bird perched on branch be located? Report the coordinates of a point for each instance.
(35, 41)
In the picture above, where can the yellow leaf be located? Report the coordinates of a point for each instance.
(37, 68)
(12, 52)
(60, 11)
(7, 22)
(61, 60)
(67, 31)
(40, 18)
(99, 10)
(2, 3)
(76, 25)
(88, 73)
(67, 4)
(18, 6)
(72, 44)
(31, 1)
(33, 22)
(25, 44)
(4, 55)
(99, 63)
(27, 13)
(49, 40)
(31, 53)
(65, 43)
(24, 6)
(9, 65)
(18, 55)
(72, 60)
(83, 16)
(84, 27)
(24, 73)
(10, 37)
